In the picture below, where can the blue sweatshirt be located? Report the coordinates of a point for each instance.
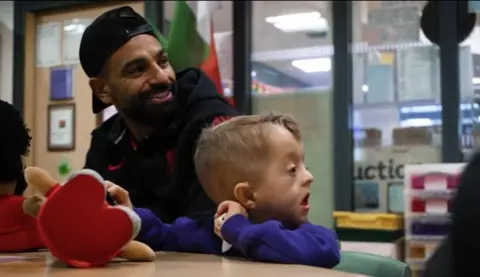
(269, 241)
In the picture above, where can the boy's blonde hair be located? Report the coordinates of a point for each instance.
(237, 151)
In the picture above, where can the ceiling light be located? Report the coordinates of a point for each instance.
(313, 65)
(75, 28)
(417, 122)
(298, 22)
(70, 27)
(293, 17)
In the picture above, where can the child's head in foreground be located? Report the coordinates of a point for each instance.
(15, 145)
(258, 161)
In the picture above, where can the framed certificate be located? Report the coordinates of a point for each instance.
(61, 127)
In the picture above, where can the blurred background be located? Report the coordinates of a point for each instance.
(371, 91)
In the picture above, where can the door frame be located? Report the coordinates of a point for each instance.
(24, 13)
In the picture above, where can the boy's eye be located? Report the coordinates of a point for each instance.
(292, 170)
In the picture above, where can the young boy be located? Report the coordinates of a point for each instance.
(253, 167)
(18, 231)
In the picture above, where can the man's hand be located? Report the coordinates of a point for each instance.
(119, 194)
(226, 210)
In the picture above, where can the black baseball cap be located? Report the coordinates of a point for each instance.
(109, 32)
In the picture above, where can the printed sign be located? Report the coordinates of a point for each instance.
(379, 176)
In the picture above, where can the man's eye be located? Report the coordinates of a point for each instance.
(137, 69)
(163, 59)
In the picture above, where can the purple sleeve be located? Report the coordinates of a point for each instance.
(270, 241)
(183, 235)
(153, 232)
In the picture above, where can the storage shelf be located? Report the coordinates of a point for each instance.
(409, 237)
(416, 262)
(428, 193)
(427, 215)
(369, 221)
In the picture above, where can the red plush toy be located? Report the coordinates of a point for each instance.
(79, 227)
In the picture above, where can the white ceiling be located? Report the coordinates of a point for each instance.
(6, 13)
(265, 36)
(270, 45)
(278, 49)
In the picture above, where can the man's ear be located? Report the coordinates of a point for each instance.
(101, 90)
(244, 195)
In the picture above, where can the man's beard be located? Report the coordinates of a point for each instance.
(142, 109)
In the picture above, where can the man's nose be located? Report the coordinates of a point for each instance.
(157, 75)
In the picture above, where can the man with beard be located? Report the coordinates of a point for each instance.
(148, 147)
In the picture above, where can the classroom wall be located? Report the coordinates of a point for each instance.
(37, 89)
(6, 51)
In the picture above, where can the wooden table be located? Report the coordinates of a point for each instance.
(166, 265)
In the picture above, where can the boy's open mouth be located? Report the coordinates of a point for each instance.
(305, 200)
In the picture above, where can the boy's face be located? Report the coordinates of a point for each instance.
(285, 185)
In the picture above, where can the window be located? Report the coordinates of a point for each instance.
(397, 115)
(6, 51)
(469, 66)
(222, 29)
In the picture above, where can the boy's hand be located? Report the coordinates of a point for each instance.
(119, 194)
(230, 208)
(226, 210)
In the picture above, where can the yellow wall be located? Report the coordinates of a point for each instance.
(37, 90)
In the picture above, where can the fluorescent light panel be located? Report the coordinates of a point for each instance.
(324, 65)
(75, 27)
(298, 22)
(313, 65)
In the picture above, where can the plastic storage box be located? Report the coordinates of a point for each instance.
(428, 194)
(371, 221)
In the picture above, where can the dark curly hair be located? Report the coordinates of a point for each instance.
(14, 143)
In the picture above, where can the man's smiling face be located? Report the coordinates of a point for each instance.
(139, 80)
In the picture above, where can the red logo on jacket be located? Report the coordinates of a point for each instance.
(219, 119)
(169, 157)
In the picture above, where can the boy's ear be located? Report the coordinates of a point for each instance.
(244, 195)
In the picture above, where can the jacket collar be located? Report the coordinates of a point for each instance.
(118, 129)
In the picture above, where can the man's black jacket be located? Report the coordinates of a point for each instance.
(159, 172)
